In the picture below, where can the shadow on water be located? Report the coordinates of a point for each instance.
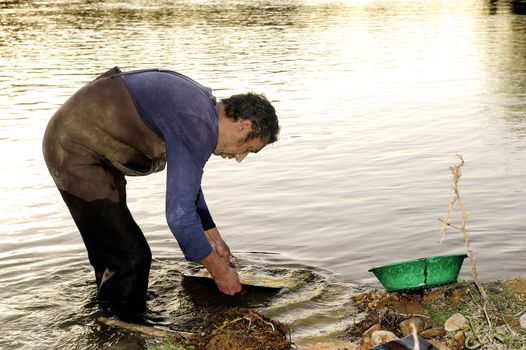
(204, 293)
(518, 7)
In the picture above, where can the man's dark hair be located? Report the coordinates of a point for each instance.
(258, 110)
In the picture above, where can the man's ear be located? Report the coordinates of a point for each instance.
(245, 124)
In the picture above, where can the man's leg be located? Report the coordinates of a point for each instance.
(116, 249)
(95, 194)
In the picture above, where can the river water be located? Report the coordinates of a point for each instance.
(375, 99)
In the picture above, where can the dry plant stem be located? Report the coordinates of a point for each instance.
(137, 328)
(455, 199)
(520, 313)
(414, 333)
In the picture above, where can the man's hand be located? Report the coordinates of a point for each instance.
(218, 245)
(225, 278)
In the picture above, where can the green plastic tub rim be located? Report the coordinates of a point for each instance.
(419, 273)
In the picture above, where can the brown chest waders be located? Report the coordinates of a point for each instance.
(90, 144)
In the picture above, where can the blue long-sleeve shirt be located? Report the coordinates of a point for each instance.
(183, 113)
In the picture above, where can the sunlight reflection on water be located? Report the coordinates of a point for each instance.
(375, 98)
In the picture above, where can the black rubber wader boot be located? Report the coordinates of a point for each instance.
(90, 144)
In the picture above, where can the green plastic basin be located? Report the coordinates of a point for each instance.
(419, 273)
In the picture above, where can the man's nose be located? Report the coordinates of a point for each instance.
(240, 157)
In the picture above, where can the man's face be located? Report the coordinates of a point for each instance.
(232, 141)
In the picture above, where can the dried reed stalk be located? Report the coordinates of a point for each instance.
(455, 199)
(148, 330)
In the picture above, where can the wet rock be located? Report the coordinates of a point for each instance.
(522, 321)
(367, 335)
(406, 326)
(433, 332)
(455, 323)
(381, 337)
(374, 328)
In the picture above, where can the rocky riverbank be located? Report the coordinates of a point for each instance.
(448, 317)
(451, 317)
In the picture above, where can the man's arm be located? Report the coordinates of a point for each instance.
(183, 189)
(218, 245)
(202, 210)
